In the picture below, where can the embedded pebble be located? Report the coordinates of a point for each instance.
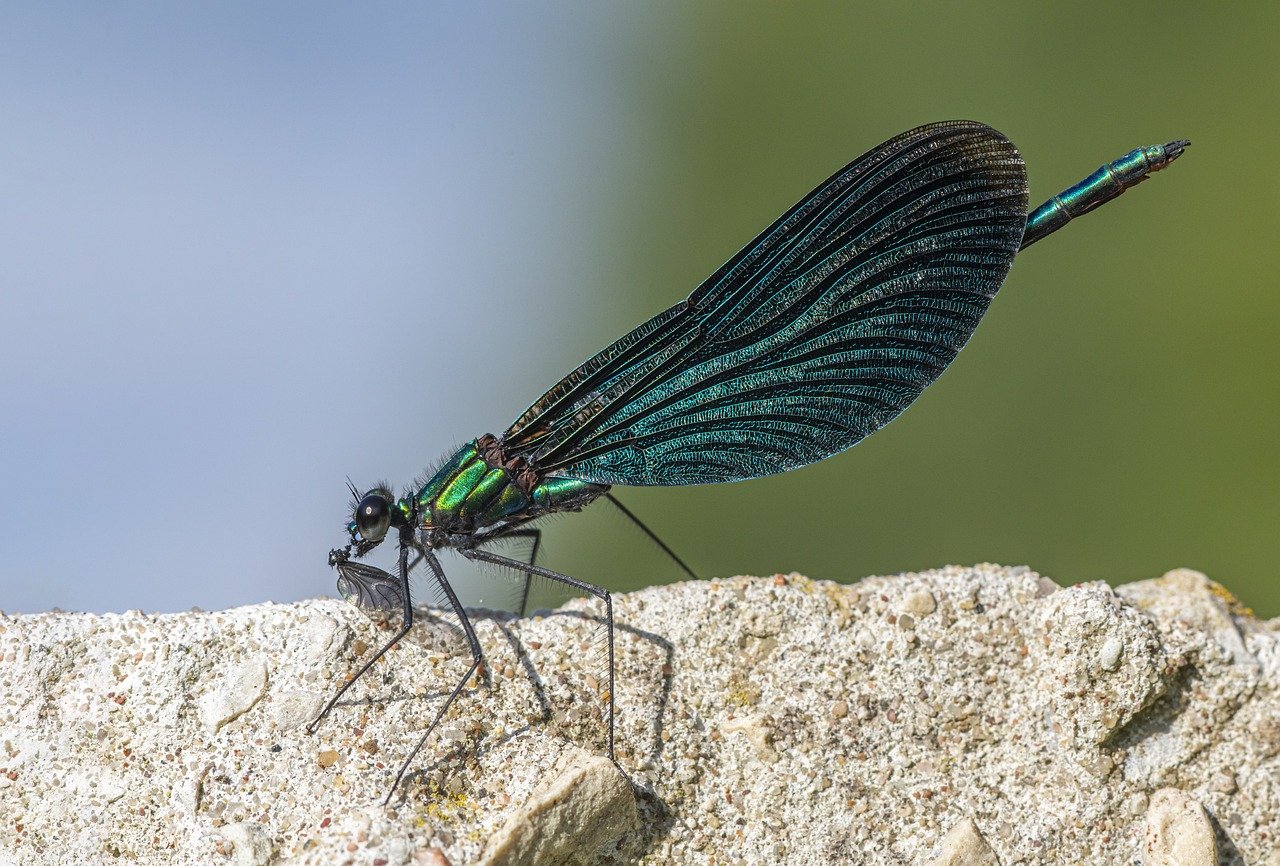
(252, 843)
(321, 635)
(1109, 655)
(921, 603)
(291, 710)
(432, 856)
(1045, 586)
(757, 732)
(964, 845)
(1177, 832)
(240, 689)
(586, 806)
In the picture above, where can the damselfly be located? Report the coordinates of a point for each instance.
(816, 334)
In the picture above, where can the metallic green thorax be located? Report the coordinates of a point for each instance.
(474, 492)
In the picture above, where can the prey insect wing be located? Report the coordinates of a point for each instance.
(435, 626)
(369, 588)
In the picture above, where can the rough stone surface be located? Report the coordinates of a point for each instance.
(964, 712)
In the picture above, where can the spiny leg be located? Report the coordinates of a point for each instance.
(536, 535)
(649, 532)
(404, 630)
(416, 560)
(477, 658)
(582, 586)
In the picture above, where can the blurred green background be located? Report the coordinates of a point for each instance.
(1115, 414)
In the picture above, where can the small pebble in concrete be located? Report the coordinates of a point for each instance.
(757, 732)
(252, 843)
(588, 805)
(243, 687)
(964, 845)
(921, 603)
(1177, 832)
(1109, 655)
(291, 710)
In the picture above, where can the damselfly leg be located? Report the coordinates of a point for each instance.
(405, 626)
(477, 659)
(536, 534)
(652, 535)
(580, 585)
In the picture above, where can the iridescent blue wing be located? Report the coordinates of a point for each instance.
(819, 332)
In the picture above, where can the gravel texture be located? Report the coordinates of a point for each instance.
(961, 716)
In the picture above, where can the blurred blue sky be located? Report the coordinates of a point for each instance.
(251, 248)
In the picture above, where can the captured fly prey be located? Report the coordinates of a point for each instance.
(816, 334)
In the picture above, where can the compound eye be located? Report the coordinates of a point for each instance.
(373, 516)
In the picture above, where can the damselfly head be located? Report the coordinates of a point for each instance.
(372, 518)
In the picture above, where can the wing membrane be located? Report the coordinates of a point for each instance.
(814, 335)
(370, 588)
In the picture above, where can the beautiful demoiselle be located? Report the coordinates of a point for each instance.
(816, 334)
